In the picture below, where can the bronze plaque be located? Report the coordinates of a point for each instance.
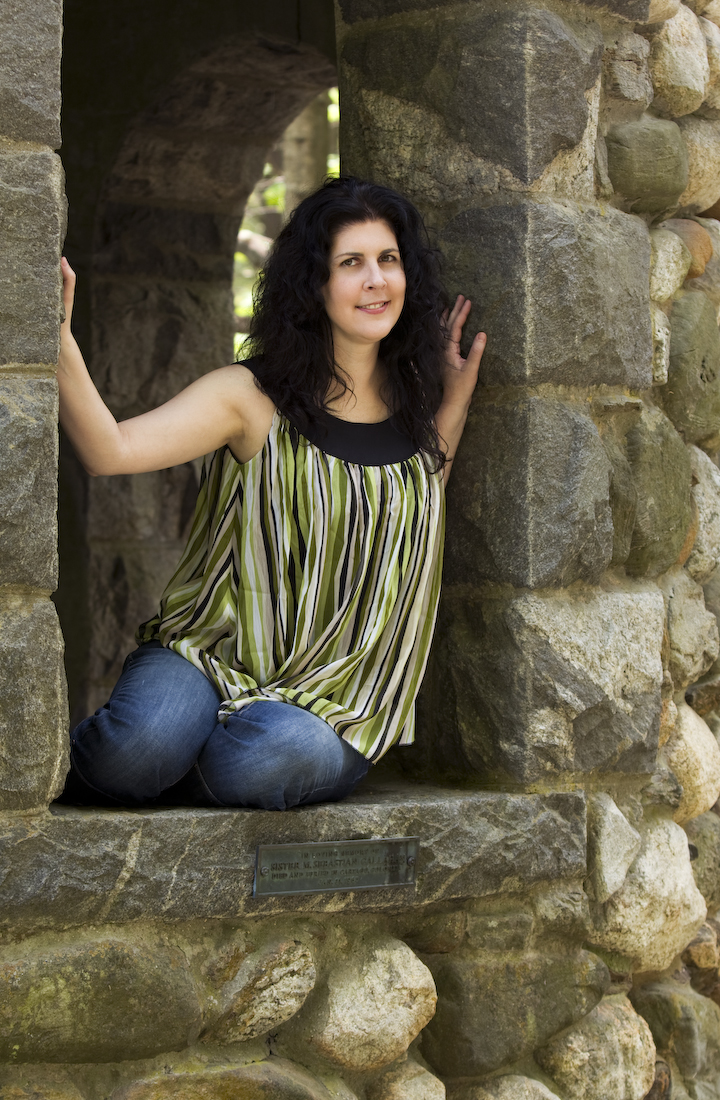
(335, 865)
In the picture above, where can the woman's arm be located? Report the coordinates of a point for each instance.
(459, 380)
(198, 420)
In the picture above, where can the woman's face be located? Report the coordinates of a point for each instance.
(365, 293)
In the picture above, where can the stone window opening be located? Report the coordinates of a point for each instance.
(156, 313)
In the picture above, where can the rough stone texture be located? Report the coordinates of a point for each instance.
(32, 227)
(409, 146)
(658, 909)
(507, 1087)
(75, 867)
(53, 1085)
(493, 1010)
(648, 164)
(33, 704)
(692, 629)
(702, 952)
(28, 481)
(408, 1081)
(609, 1054)
(696, 239)
(705, 555)
(692, 397)
(627, 82)
(704, 833)
(509, 84)
(561, 291)
(679, 65)
(612, 846)
(532, 686)
(30, 71)
(712, 46)
(270, 987)
(532, 506)
(702, 140)
(661, 471)
(277, 1079)
(709, 281)
(178, 150)
(693, 755)
(685, 1027)
(670, 262)
(368, 1010)
(107, 999)
(661, 345)
(668, 716)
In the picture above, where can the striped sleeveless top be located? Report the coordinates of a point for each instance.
(313, 581)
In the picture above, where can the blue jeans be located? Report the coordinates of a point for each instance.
(158, 739)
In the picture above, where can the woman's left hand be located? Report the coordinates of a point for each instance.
(459, 380)
(460, 375)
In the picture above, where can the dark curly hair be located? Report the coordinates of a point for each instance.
(290, 338)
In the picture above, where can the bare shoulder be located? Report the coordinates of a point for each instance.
(256, 409)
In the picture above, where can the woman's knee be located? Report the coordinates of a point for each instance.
(274, 756)
(150, 732)
(125, 759)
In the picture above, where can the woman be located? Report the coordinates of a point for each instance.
(289, 646)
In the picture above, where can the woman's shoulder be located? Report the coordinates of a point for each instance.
(257, 409)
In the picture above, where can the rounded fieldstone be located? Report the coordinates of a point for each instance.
(709, 281)
(679, 65)
(692, 396)
(648, 164)
(112, 999)
(670, 262)
(696, 239)
(702, 141)
(271, 985)
(705, 555)
(609, 1054)
(658, 909)
(272, 1080)
(496, 1008)
(369, 1010)
(692, 632)
(661, 471)
(704, 833)
(510, 1086)
(685, 1026)
(694, 757)
(407, 1081)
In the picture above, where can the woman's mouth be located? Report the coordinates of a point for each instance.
(374, 307)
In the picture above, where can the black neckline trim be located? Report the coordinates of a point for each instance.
(376, 444)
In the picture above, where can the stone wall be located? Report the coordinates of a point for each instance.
(33, 705)
(561, 942)
(566, 157)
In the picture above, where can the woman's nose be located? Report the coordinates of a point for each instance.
(375, 276)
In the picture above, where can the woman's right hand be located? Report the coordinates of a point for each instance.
(210, 412)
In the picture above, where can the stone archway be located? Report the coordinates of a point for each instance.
(165, 235)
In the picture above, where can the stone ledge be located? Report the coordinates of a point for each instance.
(68, 867)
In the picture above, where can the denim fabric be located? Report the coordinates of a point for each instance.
(158, 739)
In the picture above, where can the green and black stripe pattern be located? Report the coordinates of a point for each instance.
(313, 581)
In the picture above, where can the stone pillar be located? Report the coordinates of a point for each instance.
(573, 629)
(33, 703)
